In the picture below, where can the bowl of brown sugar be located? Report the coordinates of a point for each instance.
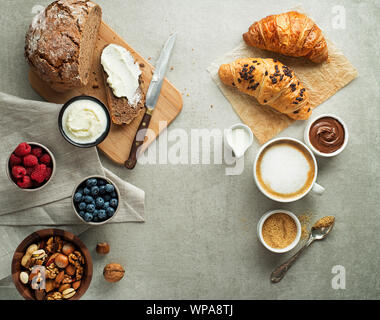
(279, 230)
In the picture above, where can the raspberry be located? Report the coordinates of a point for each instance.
(23, 149)
(48, 173)
(29, 171)
(14, 160)
(39, 173)
(45, 159)
(25, 182)
(37, 151)
(18, 172)
(30, 160)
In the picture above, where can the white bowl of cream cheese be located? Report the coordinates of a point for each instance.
(84, 121)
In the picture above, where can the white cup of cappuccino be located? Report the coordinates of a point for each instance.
(285, 170)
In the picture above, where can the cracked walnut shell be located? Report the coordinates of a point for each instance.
(113, 272)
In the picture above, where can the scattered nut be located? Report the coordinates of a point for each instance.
(24, 277)
(68, 293)
(61, 261)
(113, 272)
(102, 248)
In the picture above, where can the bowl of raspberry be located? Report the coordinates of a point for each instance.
(30, 166)
(96, 200)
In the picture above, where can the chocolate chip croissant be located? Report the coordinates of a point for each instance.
(290, 33)
(271, 83)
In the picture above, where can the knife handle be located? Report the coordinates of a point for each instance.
(144, 124)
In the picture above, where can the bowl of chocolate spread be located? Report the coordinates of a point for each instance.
(326, 135)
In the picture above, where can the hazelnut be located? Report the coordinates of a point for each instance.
(102, 248)
(68, 248)
(113, 272)
(61, 261)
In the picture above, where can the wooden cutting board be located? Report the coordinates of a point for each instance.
(119, 141)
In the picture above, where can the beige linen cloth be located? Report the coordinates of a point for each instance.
(22, 212)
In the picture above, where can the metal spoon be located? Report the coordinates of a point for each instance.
(315, 234)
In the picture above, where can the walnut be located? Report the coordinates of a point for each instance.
(54, 296)
(52, 271)
(79, 273)
(73, 258)
(54, 244)
(76, 257)
(113, 272)
(67, 279)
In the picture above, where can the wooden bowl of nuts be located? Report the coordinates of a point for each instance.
(52, 264)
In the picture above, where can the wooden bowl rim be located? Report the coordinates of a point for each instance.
(42, 234)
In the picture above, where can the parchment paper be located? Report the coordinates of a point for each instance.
(321, 80)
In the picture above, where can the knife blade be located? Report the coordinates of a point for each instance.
(152, 96)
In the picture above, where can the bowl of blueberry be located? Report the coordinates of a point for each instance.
(96, 200)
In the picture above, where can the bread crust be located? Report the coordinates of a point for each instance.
(271, 83)
(54, 39)
(120, 109)
(290, 33)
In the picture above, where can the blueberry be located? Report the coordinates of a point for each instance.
(110, 188)
(107, 197)
(110, 211)
(88, 217)
(88, 199)
(102, 214)
(101, 182)
(96, 213)
(99, 202)
(113, 194)
(86, 191)
(91, 182)
(80, 190)
(82, 206)
(102, 190)
(106, 205)
(90, 208)
(96, 219)
(113, 203)
(95, 191)
(81, 213)
(78, 197)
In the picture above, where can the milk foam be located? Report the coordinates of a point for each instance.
(285, 169)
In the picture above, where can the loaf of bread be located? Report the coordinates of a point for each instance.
(271, 83)
(60, 43)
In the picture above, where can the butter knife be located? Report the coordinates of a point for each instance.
(151, 98)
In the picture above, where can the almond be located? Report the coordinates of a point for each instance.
(76, 285)
(59, 278)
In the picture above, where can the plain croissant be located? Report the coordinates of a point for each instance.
(291, 33)
(271, 83)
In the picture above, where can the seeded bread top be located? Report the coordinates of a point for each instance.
(55, 38)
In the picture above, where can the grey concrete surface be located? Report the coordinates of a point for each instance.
(199, 240)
